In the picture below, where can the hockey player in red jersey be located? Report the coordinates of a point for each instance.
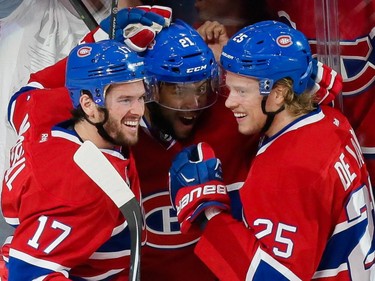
(186, 74)
(308, 208)
(67, 228)
(187, 110)
(342, 32)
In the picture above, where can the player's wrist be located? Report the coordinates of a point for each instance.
(209, 213)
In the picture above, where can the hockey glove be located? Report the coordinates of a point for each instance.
(327, 83)
(138, 26)
(196, 186)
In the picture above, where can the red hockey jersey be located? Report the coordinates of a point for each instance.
(354, 23)
(308, 209)
(64, 222)
(168, 253)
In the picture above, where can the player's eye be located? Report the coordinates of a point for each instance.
(142, 98)
(202, 89)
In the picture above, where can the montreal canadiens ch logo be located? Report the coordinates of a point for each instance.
(163, 229)
(84, 52)
(284, 41)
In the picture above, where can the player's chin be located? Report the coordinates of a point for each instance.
(184, 130)
(245, 129)
(129, 136)
(183, 133)
(131, 140)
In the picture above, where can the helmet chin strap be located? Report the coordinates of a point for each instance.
(100, 127)
(270, 115)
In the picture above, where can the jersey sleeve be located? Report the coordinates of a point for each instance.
(233, 253)
(214, 249)
(33, 113)
(50, 77)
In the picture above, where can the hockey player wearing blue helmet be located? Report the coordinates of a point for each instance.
(187, 75)
(108, 73)
(307, 200)
(186, 110)
(66, 227)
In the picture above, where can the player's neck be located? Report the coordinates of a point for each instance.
(87, 131)
(281, 120)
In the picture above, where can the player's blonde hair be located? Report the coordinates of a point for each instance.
(297, 104)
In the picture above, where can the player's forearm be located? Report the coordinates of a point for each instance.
(233, 253)
(224, 247)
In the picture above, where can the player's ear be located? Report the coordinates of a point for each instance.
(279, 93)
(89, 107)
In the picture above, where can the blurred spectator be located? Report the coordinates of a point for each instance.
(182, 9)
(234, 14)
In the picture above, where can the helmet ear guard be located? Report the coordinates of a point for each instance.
(269, 51)
(93, 67)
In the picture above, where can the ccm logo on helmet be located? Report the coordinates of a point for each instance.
(196, 69)
(198, 192)
(284, 41)
(84, 52)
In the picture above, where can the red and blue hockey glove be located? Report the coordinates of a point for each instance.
(327, 83)
(196, 186)
(138, 26)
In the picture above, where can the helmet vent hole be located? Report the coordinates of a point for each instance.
(255, 63)
(260, 42)
(112, 69)
(175, 69)
(192, 55)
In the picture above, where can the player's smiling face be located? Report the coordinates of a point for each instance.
(245, 102)
(125, 105)
(181, 105)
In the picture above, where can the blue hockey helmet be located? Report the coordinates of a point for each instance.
(94, 66)
(179, 54)
(179, 58)
(269, 51)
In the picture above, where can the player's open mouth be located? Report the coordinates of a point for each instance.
(132, 124)
(187, 120)
(240, 115)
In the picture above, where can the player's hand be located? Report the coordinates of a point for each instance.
(196, 186)
(215, 35)
(327, 83)
(138, 26)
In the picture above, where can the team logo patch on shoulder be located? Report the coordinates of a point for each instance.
(84, 52)
(284, 41)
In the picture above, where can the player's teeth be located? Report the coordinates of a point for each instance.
(131, 123)
(239, 115)
(188, 117)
